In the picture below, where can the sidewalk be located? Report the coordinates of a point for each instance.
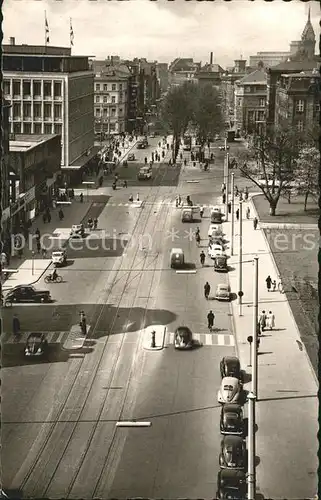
(285, 374)
(32, 267)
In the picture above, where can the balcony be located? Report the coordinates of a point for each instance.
(47, 118)
(16, 96)
(58, 119)
(17, 118)
(27, 97)
(37, 97)
(27, 119)
(47, 97)
(37, 118)
(58, 98)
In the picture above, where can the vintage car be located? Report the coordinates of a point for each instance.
(77, 230)
(131, 157)
(215, 250)
(36, 345)
(144, 173)
(177, 258)
(231, 485)
(231, 420)
(183, 338)
(220, 263)
(27, 293)
(233, 453)
(230, 367)
(230, 390)
(214, 229)
(223, 292)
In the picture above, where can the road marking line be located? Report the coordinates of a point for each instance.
(209, 339)
(186, 272)
(220, 339)
(133, 424)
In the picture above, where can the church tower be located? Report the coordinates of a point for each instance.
(308, 39)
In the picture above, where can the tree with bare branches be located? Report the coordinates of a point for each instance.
(307, 173)
(271, 161)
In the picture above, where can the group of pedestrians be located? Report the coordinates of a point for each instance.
(266, 321)
(271, 285)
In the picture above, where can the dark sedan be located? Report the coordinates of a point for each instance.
(231, 421)
(232, 454)
(36, 345)
(183, 338)
(27, 293)
(230, 367)
(231, 484)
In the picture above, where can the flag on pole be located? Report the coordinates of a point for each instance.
(71, 34)
(46, 29)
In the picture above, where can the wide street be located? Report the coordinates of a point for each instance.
(59, 434)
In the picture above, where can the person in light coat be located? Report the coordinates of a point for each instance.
(270, 320)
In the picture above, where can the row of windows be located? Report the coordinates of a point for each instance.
(112, 128)
(104, 112)
(262, 102)
(256, 116)
(36, 88)
(107, 86)
(36, 128)
(106, 98)
(46, 110)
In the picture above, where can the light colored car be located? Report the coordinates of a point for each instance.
(216, 209)
(223, 292)
(59, 257)
(230, 390)
(77, 230)
(215, 251)
(214, 228)
(144, 173)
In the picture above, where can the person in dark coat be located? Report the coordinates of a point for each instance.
(210, 320)
(255, 222)
(237, 213)
(268, 282)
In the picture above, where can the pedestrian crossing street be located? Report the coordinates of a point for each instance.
(53, 337)
(207, 339)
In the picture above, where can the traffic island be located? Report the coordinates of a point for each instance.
(154, 338)
(76, 338)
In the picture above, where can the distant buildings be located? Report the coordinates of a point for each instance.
(51, 92)
(250, 103)
(210, 74)
(228, 86)
(268, 59)
(162, 76)
(182, 70)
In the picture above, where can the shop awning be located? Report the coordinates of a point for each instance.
(82, 160)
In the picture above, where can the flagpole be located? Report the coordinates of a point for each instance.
(46, 29)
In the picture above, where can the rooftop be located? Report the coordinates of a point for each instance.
(304, 65)
(303, 74)
(26, 142)
(254, 78)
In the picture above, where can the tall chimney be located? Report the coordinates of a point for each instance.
(12, 40)
(211, 58)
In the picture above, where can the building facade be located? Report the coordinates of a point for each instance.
(268, 59)
(250, 103)
(162, 76)
(298, 99)
(51, 92)
(111, 101)
(182, 70)
(35, 159)
(228, 86)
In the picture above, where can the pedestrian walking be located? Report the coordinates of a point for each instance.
(202, 258)
(95, 223)
(207, 290)
(274, 285)
(15, 325)
(137, 197)
(54, 203)
(125, 184)
(131, 198)
(44, 252)
(236, 191)
(248, 212)
(181, 156)
(44, 217)
(210, 320)
(262, 321)
(223, 187)
(37, 233)
(223, 198)
(145, 160)
(280, 285)
(237, 213)
(268, 282)
(83, 323)
(255, 223)
(61, 214)
(229, 207)
(201, 212)
(270, 320)
(185, 162)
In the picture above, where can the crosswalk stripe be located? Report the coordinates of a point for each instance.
(220, 339)
(209, 339)
(231, 339)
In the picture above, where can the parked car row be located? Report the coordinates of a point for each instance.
(231, 479)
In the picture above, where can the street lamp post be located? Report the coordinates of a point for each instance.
(232, 213)
(255, 326)
(227, 186)
(240, 259)
(251, 447)
(32, 262)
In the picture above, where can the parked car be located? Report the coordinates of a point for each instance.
(233, 453)
(230, 390)
(27, 293)
(183, 338)
(131, 157)
(231, 484)
(230, 367)
(214, 228)
(36, 345)
(144, 173)
(220, 263)
(231, 420)
(223, 292)
(215, 250)
(142, 145)
(216, 217)
(77, 230)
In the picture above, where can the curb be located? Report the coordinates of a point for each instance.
(287, 302)
(158, 348)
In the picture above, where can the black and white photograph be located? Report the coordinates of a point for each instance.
(159, 249)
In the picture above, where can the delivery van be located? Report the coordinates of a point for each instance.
(176, 257)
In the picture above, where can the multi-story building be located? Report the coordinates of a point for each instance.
(250, 102)
(6, 179)
(111, 100)
(51, 92)
(210, 74)
(298, 99)
(268, 59)
(182, 70)
(229, 79)
(162, 76)
(35, 160)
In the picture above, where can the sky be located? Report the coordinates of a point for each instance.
(161, 30)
